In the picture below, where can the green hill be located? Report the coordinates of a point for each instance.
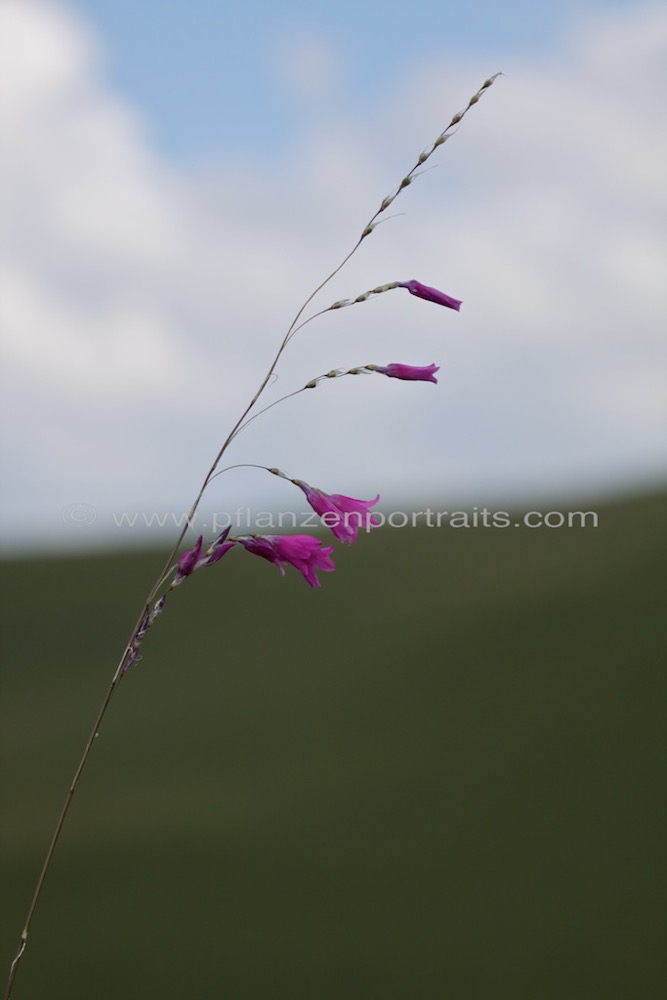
(438, 776)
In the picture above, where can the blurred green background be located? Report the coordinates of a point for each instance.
(439, 776)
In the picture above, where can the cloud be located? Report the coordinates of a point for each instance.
(140, 300)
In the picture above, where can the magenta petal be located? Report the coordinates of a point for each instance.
(188, 560)
(260, 547)
(348, 514)
(409, 373)
(219, 552)
(304, 552)
(431, 294)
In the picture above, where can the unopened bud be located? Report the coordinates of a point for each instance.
(404, 183)
(311, 385)
(457, 118)
(473, 100)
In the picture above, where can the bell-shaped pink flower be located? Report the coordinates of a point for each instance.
(304, 552)
(344, 515)
(430, 294)
(409, 373)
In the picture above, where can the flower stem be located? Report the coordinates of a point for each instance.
(143, 621)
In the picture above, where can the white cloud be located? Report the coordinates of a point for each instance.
(139, 301)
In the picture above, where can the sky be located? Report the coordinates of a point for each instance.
(177, 177)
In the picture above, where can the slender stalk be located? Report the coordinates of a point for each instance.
(117, 677)
(119, 672)
(143, 622)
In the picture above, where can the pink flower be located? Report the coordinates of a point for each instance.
(344, 515)
(430, 294)
(409, 373)
(304, 552)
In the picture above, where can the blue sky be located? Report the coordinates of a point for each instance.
(203, 72)
(182, 175)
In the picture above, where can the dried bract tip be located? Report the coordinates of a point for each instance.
(487, 83)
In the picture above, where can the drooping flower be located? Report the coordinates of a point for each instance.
(304, 552)
(344, 515)
(430, 294)
(409, 373)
